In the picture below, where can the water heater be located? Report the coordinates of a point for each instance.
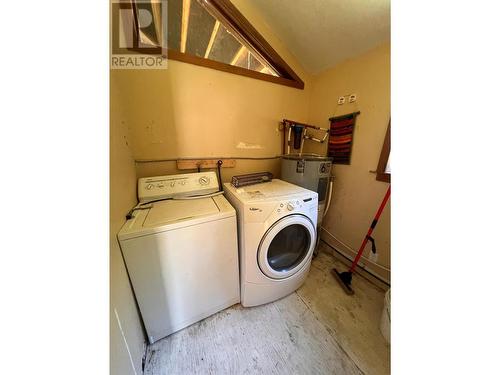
(312, 172)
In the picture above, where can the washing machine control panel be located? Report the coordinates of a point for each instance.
(178, 185)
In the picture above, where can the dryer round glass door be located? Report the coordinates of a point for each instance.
(287, 246)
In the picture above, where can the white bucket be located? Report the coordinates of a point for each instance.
(385, 319)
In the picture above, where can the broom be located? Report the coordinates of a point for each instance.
(345, 278)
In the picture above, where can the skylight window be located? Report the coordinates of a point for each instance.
(197, 32)
(214, 34)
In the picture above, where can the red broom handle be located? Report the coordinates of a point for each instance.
(370, 230)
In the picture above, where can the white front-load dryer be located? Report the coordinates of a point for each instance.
(276, 235)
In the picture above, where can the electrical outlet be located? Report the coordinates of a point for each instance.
(341, 100)
(352, 98)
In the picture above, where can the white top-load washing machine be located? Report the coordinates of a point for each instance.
(181, 253)
(277, 234)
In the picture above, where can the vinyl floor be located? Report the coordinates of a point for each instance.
(316, 330)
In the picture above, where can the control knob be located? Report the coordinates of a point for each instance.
(290, 206)
(204, 180)
(149, 186)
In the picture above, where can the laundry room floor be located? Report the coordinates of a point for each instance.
(316, 330)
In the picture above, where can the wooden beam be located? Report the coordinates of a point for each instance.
(200, 61)
(266, 70)
(186, 5)
(204, 163)
(212, 39)
(238, 55)
(232, 18)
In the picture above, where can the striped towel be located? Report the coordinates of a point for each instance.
(341, 135)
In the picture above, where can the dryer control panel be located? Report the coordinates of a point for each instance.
(301, 205)
(177, 185)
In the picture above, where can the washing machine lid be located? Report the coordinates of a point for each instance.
(175, 214)
(174, 210)
(268, 190)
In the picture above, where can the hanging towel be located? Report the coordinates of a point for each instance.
(341, 136)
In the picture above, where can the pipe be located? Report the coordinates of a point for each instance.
(219, 165)
(316, 139)
(289, 137)
(327, 206)
(284, 138)
(208, 158)
(302, 141)
(352, 250)
(362, 266)
(305, 125)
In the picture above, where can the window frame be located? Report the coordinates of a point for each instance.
(232, 19)
(384, 157)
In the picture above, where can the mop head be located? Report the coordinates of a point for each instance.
(344, 279)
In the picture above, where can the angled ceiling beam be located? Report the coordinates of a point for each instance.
(212, 39)
(238, 55)
(233, 20)
(228, 15)
(186, 5)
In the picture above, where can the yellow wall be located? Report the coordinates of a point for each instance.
(126, 335)
(357, 194)
(192, 111)
(185, 111)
